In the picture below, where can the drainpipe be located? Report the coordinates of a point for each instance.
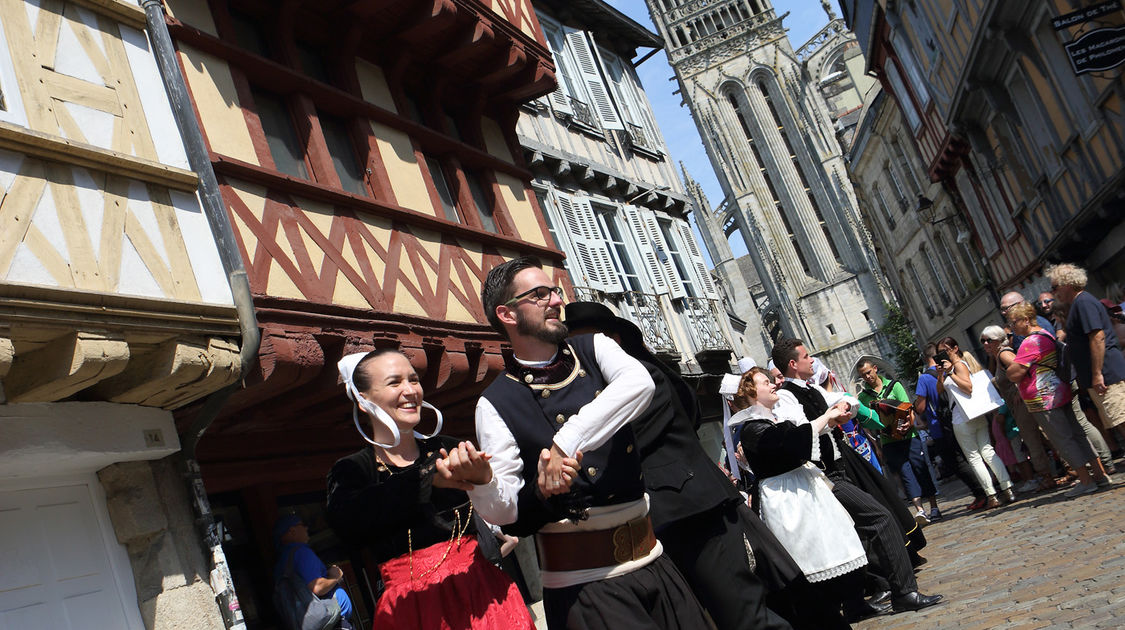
(215, 210)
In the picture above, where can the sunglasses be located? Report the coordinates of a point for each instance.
(540, 293)
(1046, 302)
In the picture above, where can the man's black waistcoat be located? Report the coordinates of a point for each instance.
(535, 408)
(812, 401)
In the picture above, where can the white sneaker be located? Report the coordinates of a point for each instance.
(1081, 489)
(921, 518)
(1028, 486)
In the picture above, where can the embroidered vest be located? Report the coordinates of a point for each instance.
(536, 402)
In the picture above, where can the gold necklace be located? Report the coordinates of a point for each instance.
(459, 530)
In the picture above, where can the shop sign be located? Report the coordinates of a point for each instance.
(1100, 49)
(1086, 14)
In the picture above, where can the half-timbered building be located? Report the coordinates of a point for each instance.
(367, 157)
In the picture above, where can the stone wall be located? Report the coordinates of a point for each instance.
(151, 512)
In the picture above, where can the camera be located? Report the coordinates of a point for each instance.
(941, 357)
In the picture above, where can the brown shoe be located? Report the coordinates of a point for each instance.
(993, 502)
(1007, 496)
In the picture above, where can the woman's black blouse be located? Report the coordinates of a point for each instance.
(775, 449)
(372, 506)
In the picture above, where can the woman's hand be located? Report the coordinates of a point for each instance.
(463, 468)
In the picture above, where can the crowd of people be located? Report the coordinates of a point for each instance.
(588, 443)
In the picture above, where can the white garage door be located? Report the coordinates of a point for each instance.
(55, 571)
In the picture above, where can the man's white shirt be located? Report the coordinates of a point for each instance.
(788, 408)
(627, 393)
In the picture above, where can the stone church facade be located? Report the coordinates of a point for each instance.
(771, 119)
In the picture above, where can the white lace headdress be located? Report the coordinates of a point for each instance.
(347, 367)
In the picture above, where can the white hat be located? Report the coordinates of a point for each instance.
(745, 363)
(347, 367)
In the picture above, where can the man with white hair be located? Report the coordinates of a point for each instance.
(1094, 347)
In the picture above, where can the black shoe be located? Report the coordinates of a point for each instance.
(881, 597)
(864, 610)
(914, 601)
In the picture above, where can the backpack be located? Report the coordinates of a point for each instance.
(298, 607)
(1062, 366)
(943, 409)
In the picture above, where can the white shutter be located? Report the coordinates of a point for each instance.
(575, 217)
(697, 261)
(653, 269)
(597, 247)
(656, 238)
(588, 70)
(560, 102)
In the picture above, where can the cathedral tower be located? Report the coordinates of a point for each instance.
(770, 135)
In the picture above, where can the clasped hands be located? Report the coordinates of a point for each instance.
(462, 468)
(557, 471)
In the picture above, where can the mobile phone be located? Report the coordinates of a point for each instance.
(941, 357)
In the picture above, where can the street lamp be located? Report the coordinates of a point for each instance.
(926, 209)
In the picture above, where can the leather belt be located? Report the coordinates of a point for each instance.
(574, 551)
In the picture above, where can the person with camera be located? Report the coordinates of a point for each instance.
(903, 449)
(932, 403)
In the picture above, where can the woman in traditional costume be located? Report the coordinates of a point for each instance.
(795, 498)
(402, 502)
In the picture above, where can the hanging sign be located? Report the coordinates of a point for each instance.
(1097, 50)
(1085, 14)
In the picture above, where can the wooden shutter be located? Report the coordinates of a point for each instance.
(576, 219)
(597, 246)
(560, 102)
(697, 261)
(588, 70)
(656, 239)
(654, 270)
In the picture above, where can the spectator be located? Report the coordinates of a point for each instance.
(1048, 395)
(1000, 355)
(291, 537)
(1043, 304)
(931, 402)
(1094, 347)
(972, 433)
(903, 450)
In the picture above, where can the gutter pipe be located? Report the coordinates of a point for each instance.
(215, 210)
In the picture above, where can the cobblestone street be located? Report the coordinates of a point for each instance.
(1042, 562)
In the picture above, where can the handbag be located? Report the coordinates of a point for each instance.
(298, 607)
(984, 398)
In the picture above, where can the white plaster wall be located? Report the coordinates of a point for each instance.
(43, 439)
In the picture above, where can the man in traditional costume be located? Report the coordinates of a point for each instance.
(566, 467)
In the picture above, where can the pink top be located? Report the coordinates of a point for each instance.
(1041, 388)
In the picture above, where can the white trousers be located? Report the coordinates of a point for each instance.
(974, 440)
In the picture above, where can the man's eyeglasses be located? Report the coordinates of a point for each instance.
(1004, 309)
(540, 293)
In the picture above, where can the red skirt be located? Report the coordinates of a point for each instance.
(465, 592)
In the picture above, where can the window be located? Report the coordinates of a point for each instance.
(342, 151)
(249, 34)
(905, 164)
(618, 251)
(677, 258)
(286, 149)
(444, 194)
(831, 329)
(943, 292)
(947, 259)
(905, 103)
(921, 289)
(882, 203)
(546, 207)
(896, 184)
(481, 201)
(312, 62)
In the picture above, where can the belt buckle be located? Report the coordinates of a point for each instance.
(627, 539)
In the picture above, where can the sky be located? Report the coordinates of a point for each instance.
(806, 17)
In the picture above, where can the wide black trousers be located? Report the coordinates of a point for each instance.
(880, 534)
(710, 550)
(654, 597)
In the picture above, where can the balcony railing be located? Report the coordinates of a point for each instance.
(643, 309)
(703, 322)
(638, 139)
(584, 114)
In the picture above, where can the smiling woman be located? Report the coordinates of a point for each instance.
(402, 503)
